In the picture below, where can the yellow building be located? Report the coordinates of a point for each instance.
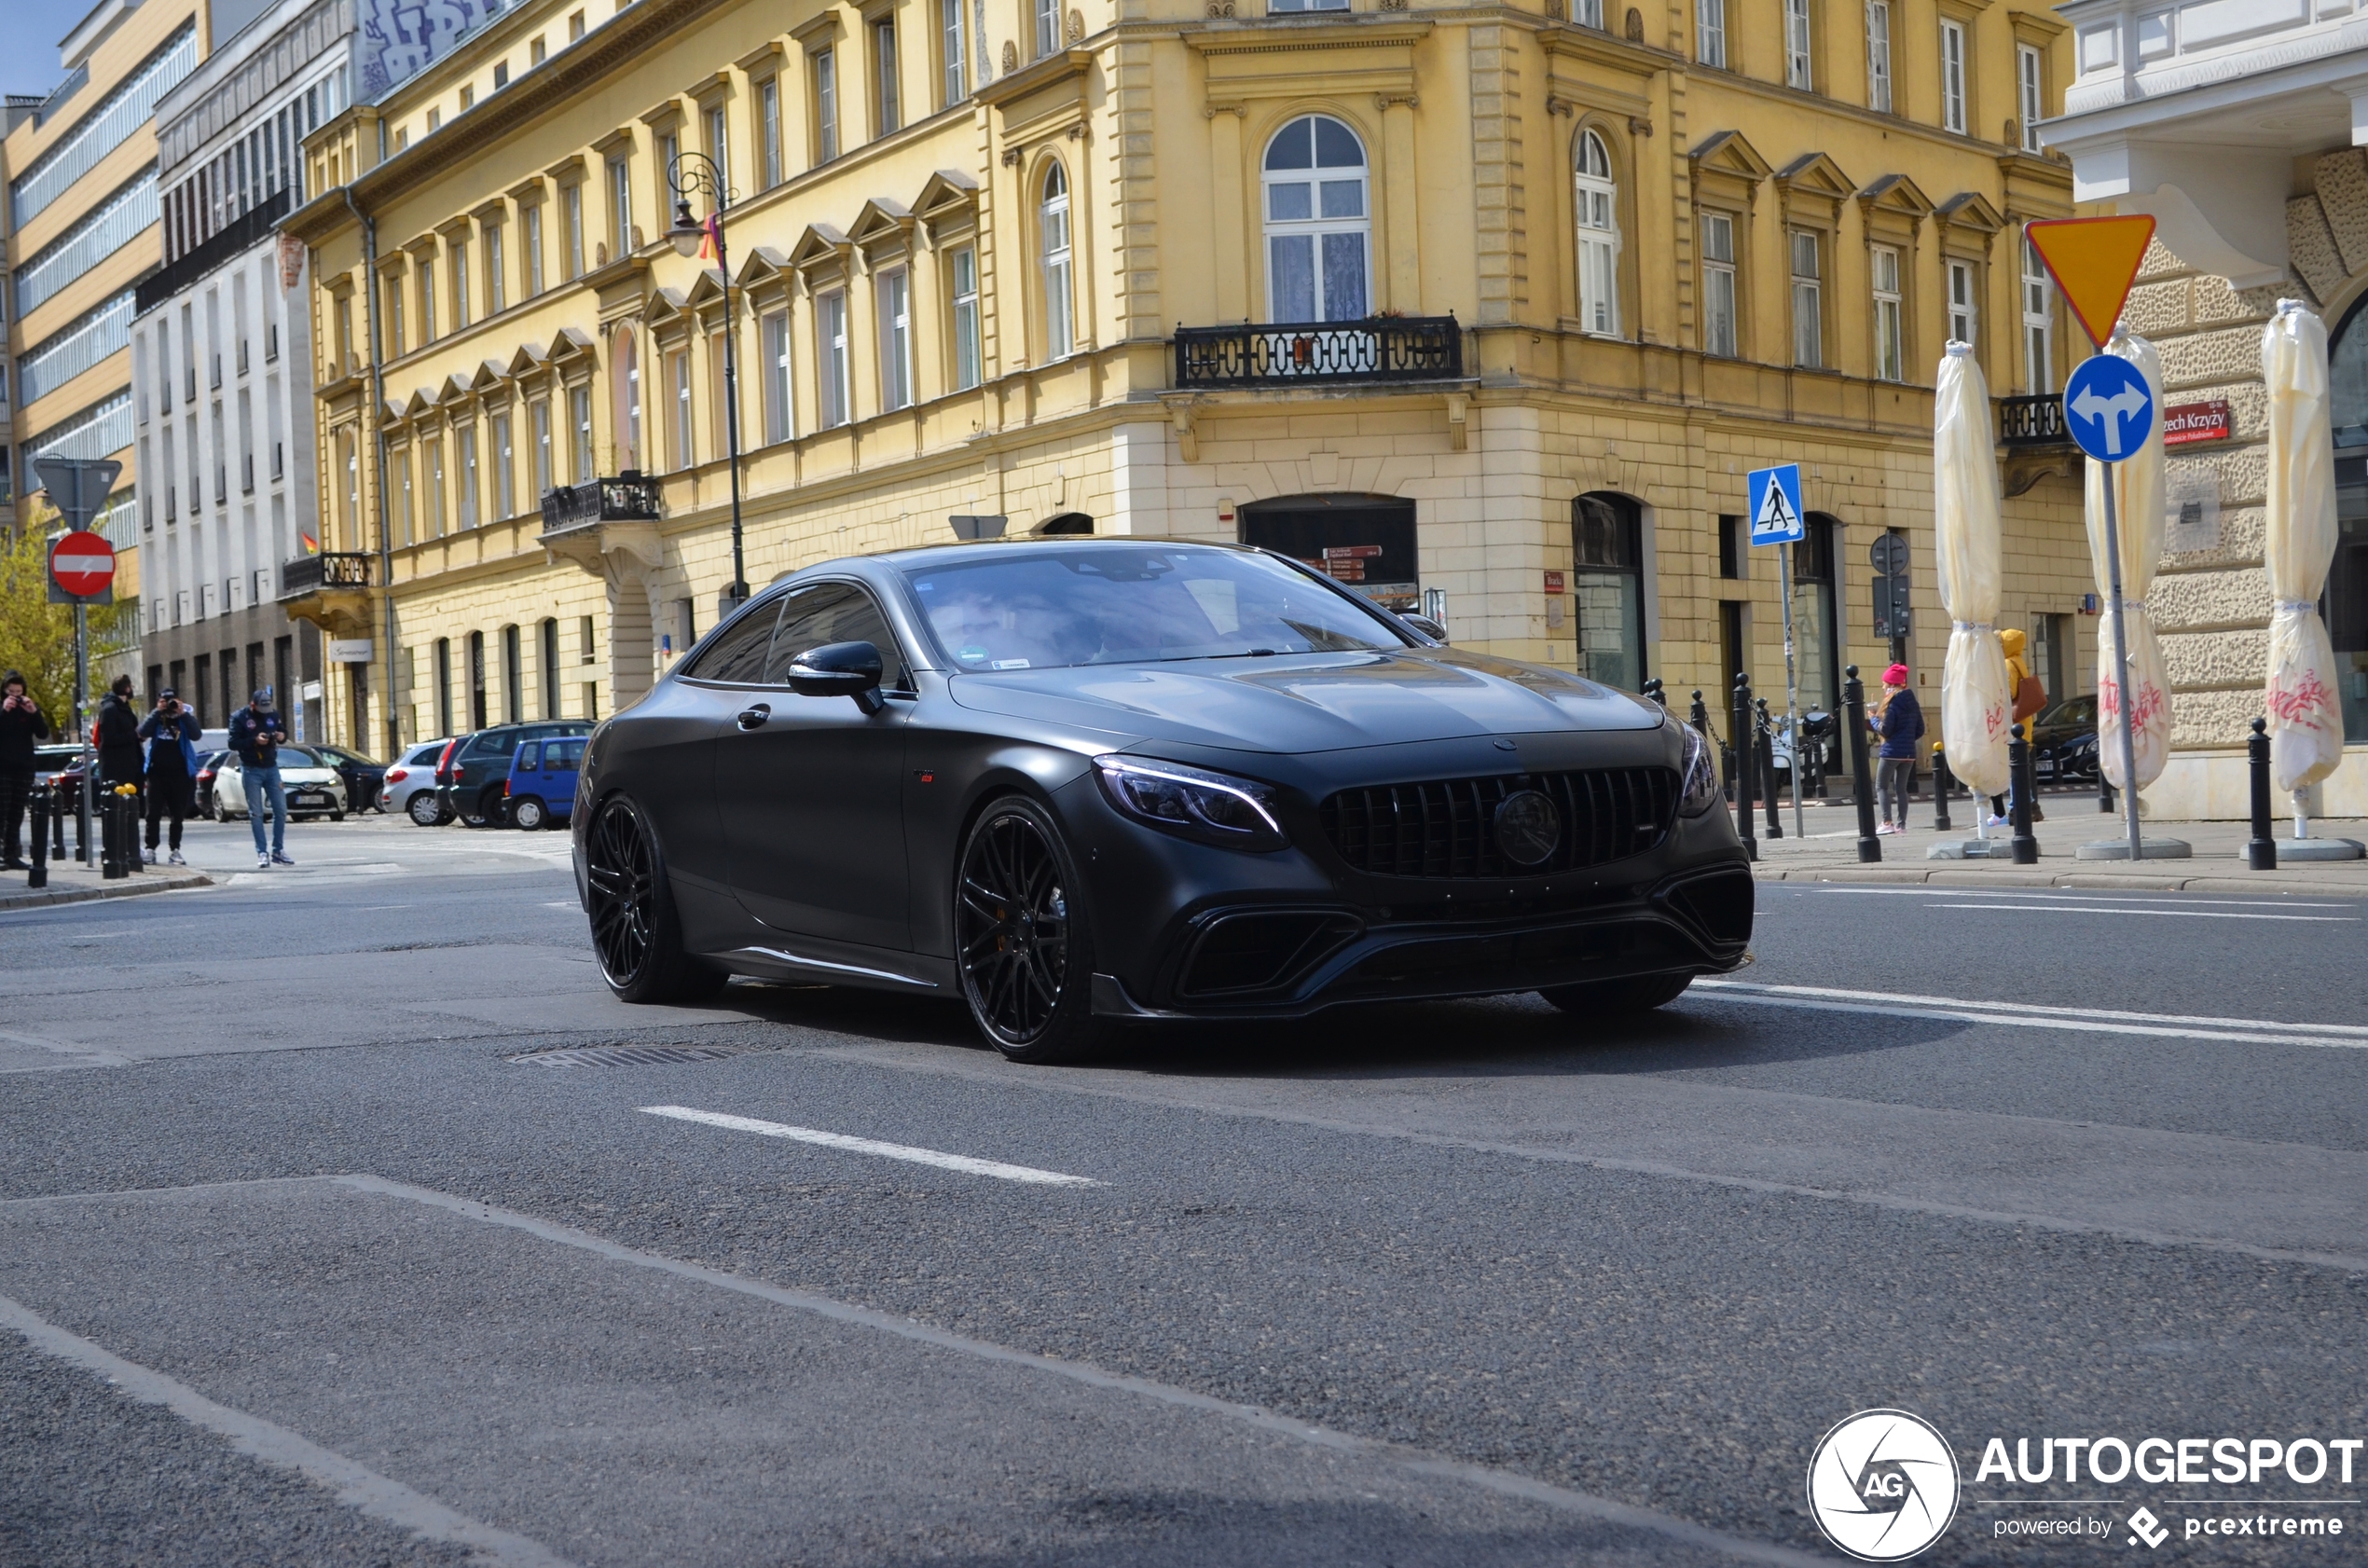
(1550, 279)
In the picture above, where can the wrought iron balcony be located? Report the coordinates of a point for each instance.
(627, 498)
(1302, 353)
(2032, 421)
(336, 569)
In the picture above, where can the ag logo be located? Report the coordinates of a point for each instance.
(1882, 1485)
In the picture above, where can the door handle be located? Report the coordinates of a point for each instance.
(753, 718)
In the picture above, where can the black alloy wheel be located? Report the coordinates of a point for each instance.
(1619, 998)
(1021, 939)
(633, 924)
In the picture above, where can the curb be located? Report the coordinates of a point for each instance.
(2026, 876)
(139, 882)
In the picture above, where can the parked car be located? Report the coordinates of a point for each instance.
(409, 784)
(2063, 740)
(209, 764)
(476, 769)
(541, 789)
(1086, 780)
(363, 774)
(312, 784)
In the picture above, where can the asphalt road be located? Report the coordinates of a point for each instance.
(379, 1276)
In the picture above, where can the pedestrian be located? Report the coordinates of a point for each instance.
(172, 735)
(1901, 726)
(256, 733)
(2027, 696)
(22, 727)
(122, 760)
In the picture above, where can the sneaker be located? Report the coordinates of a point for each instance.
(2001, 822)
(176, 860)
(280, 859)
(1887, 828)
(263, 862)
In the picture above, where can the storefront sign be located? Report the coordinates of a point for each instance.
(2186, 422)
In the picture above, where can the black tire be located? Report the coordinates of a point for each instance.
(221, 812)
(337, 816)
(422, 809)
(1619, 998)
(529, 814)
(634, 935)
(1023, 942)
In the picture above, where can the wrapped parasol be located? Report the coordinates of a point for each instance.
(2138, 482)
(1973, 699)
(2306, 725)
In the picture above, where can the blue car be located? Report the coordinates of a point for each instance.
(541, 788)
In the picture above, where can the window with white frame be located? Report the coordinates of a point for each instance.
(1598, 237)
(404, 505)
(1963, 321)
(953, 47)
(531, 220)
(465, 443)
(768, 136)
(458, 251)
(830, 326)
(571, 205)
(826, 106)
(886, 98)
(1878, 56)
(678, 387)
(1710, 33)
(1890, 351)
(1808, 300)
(538, 416)
(1718, 285)
(2039, 323)
(505, 489)
(620, 209)
(2030, 97)
(431, 483)
(1798, 70)
(580, 419)
(1048, 27)
(497, 277)
(772, 334)
(426, 274)
(1053, 224)
(895, 304)
(1331, 6)
(719, 139)
(1952, 76)
(1318, 223)
(1588, 13)
(967, 371)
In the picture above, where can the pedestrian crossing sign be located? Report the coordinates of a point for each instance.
(1775, 504)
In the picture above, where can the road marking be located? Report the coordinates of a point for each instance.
(91, 1055)
(2088, 897)
(2175, 913)
(2243, 1031)
(563, 903)
(873, 1146)
(356, 1486)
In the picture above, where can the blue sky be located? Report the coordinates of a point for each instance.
(29, 33)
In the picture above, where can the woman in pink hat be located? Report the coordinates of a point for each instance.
(1899, 723)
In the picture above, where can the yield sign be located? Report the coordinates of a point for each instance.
(83, 564)
(2093, 261)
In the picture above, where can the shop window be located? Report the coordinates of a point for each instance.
(1607, 587)
(1366, 542)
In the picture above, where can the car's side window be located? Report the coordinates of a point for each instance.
(834, 612)
(564, 754)
(737, 656)
(531, 757)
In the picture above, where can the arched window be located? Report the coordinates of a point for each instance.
(1060, 332)
(1318, 223)
(1598, 237)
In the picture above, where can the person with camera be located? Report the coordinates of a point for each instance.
(256, 733)
(22, 727)
(172, 735)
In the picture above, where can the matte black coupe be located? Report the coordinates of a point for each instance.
(1070, 781)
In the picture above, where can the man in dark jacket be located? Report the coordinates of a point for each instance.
(122, 760)
(172, 735)
(257, 732)
(22, 728)
(1901, 725)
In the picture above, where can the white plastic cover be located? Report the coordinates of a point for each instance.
(2306, 724)
(2138, 501)
(1973, 700)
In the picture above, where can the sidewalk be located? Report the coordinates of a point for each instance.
(70, 883)
(1830, 852)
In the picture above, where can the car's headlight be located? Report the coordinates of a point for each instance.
(1212, 808)
(1702, 774)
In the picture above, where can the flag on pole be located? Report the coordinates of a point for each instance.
(710, 241)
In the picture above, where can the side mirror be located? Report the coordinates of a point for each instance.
(1425, 624)
(840, 669)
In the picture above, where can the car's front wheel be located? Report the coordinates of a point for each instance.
(526, 812)
(1021, 941)
(422, 810)
(634, 927)
(1619, 998)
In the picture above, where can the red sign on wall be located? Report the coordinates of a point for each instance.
(1554, 581)
(2188, 422)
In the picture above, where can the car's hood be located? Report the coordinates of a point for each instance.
(1309, 702)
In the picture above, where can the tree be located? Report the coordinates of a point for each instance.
(36, 637)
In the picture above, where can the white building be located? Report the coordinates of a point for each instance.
(2239, 125)
(222, 370)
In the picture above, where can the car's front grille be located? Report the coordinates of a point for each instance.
(1446, 828)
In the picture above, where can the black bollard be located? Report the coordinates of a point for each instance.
(81, 828)
(1942, 786)
(1698, 716)
(1653, 690)
(57, 824)
(2260, 852)
(111, 867)
(1740, 729)
(1871, 849)
(2025, 843)
(2104, 785)
(1764, 746)
(39, 875)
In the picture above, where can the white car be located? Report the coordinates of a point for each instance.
(314, 789)
(409, 790)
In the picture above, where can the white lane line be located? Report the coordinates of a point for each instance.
(871, 1146)
(2170, 914)
(90, 1055)
(2087, 897)
(2358, 1031)
(356, 1486)
(2074, 1020)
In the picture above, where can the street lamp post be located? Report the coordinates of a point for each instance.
(688, 174)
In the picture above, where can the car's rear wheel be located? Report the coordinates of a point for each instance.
(1619, 998)
(422, 809)
(526, 812)
(634, 929)
(1021, 941)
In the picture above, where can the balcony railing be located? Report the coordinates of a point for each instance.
(2032, 421)
(1299, 353)
(310, 574)
(627, 498)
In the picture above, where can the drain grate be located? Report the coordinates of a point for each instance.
(631, 1055)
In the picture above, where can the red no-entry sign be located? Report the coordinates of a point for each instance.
(82, 564)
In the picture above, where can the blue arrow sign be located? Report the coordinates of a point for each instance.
(1775, 504)
(2109, 407)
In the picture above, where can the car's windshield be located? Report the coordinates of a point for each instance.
(1130, 604)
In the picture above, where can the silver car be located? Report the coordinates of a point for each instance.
(410, 784)
(314, 788)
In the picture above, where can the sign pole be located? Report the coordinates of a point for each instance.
(1791, 682)
(2121, 665)
(82, 728)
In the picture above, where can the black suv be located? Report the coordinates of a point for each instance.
(470, 776)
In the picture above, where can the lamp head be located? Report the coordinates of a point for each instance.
(686, 232)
